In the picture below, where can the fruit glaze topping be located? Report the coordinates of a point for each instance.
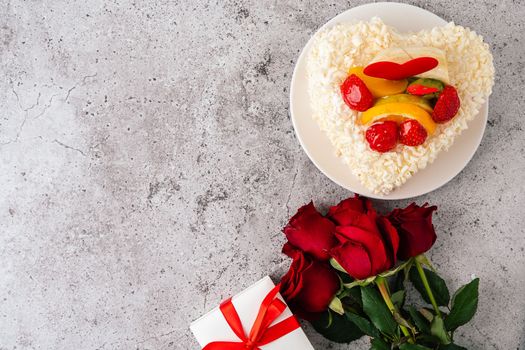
(401, 102)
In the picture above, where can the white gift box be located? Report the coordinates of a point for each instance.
(213, 327)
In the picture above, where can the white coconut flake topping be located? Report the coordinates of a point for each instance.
(336, 50)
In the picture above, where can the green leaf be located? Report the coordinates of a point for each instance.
(379, 344)
(407, 346)
(428, 341)
(399, 282)
(377, 311)
(353, 298)
(344, 277)
(437, 328)
(336, 306)
(364, 325)
(336, 328)
(437, 285)
(464, 305)
(451, 347)
(398, 298)
(420, 322)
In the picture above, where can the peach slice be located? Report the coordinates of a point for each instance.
(398, 111)
(380, 87)
(406, 98)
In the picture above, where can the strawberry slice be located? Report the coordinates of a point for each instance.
(420, 90)
(382, 137)
(355, 94)
(411, 133)
(395, 71)
(447, 105)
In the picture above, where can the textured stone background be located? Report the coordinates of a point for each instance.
(148, 162)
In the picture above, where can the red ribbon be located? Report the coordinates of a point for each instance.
(261, 332)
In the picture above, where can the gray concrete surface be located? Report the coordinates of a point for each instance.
(148, 162)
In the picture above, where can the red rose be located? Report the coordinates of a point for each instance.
(309, 285)
(368, 243)
(311, 232)
(416, 232)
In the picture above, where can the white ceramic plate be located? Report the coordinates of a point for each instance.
(317, 145)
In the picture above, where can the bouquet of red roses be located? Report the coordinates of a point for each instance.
(349, 272)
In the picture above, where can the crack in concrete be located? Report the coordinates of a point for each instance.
(69, 93)
(44, 110)
(46, 107)
(20, 103)
(157, 337)
(25, 110)
(290, 193)
(88, 76)
(83, 82)
(69, 147)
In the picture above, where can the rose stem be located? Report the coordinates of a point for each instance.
(427, 286)
(383, 289)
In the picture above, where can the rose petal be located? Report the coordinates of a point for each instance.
(390, 237)
(372, 242)
(367, 222)
(319, 287)
(290, 250)
(311, 232)
(415, 229)
(345, 215)
(292, 282)
(346, 211)
(354, 259)
(309, 285)
(421, 238)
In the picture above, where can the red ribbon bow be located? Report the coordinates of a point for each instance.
(261, 332)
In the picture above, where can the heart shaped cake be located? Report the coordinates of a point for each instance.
(390, 102)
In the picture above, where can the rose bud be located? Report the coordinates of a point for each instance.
(415, 228)
(311, 232)
(309, 285)
(368, 243)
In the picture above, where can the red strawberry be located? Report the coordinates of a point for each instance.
(382, 137)
(447, 105)
(355, 94)
(411, 133)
